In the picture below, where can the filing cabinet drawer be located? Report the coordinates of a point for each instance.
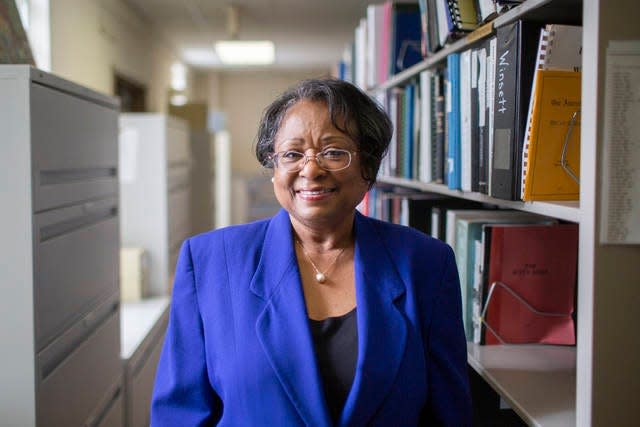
(74, 148)
(114, 415)
(179, 221)
(142, 385)
(178, 151)
(178, 177)
(77, 253)
(70, 392)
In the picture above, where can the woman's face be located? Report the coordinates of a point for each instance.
(314, 196)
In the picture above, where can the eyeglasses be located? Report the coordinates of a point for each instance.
(331, 159)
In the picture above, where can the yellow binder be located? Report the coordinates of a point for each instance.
(548, 173)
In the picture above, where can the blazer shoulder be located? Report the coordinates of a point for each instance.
(232, 238)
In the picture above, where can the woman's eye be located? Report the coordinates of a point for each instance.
(292, 155)
(334, 154)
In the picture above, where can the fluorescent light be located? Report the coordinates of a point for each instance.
(178, 76)
(200, 57)
(178, 99)
(236, 52)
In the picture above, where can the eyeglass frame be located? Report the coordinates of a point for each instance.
(274, 157)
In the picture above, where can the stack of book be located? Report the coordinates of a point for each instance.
(499, 118)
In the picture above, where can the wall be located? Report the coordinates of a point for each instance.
(243, 97)
(90, 39)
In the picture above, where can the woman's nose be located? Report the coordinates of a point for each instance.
(311, 167)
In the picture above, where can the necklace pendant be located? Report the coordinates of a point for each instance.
(321, 278)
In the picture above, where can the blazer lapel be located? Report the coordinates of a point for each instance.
(282, 326)
(382, 329)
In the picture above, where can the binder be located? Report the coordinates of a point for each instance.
(515, 59)
(538, 263)
(559, 48)
(553, 131)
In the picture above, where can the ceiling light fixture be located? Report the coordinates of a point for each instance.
(238, 52)
(243, 52)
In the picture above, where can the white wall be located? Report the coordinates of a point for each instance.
(243, 97)
(91, 39)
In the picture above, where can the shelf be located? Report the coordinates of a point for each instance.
(137, 320)
(538, 381)
(568, 211)
(560, 10)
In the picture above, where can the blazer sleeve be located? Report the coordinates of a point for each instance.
(182, 393)
(450, 396)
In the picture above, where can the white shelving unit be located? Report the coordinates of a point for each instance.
(595, 383)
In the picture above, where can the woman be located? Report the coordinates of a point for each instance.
(318, 316)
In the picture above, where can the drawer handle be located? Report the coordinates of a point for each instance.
(91, 217)
(64, 176)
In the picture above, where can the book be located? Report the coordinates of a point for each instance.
(408, 131)
(557, 100)
(375, 34)
(453, 121)
(465, 120)
(515, 59)
(534, 269)
(431, 34)
(426, 129)
(486, 10)
(468, 228)
(439, 214)
(559, 48)
(475, 122)
(405, 37)
(439, 126)
(464, 15)
(492, 44)
(482, 113)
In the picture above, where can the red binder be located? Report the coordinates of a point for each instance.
(532, 277)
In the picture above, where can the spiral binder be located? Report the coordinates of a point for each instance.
(463, 16)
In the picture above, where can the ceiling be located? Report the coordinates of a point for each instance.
(308, 34)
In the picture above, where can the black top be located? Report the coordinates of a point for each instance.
(336, 345)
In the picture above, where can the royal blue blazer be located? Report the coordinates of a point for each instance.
(238, 350)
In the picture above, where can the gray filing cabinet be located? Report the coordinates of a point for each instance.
(143, 324)
(155, 191)
(59, 311)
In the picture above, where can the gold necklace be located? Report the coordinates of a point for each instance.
(320, 276)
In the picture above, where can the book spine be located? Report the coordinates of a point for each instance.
(475, 126)
(514, 69)
(540, 60)
(465, 120)
(482, 118)
(426, 117)
(453, 116)
(439, 127)
(491, 84)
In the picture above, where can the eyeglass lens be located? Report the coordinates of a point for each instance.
(333, 159)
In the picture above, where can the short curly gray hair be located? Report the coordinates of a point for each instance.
(351, 111)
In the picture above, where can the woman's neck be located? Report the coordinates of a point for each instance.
(319, 238)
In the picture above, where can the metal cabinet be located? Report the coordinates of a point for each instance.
(143, 325)
(59, 311)
(155, 192)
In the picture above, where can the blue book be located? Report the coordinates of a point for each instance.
(409, 107)
(453, 121)
(406, 37)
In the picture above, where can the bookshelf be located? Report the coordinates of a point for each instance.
(594, 382)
